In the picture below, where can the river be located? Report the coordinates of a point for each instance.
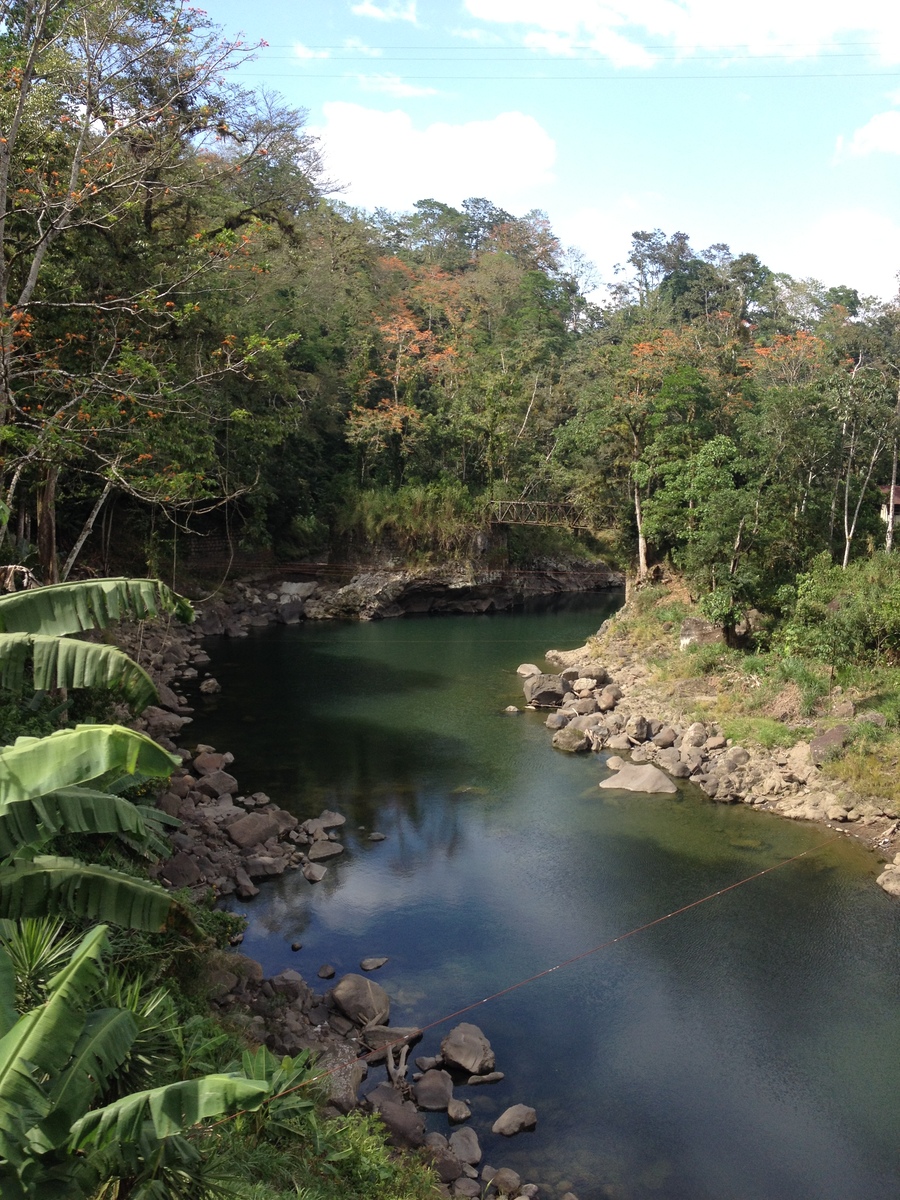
(747, 1049)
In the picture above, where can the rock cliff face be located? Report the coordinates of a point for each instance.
(378, 594)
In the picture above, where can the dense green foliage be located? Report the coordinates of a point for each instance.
(204, 341)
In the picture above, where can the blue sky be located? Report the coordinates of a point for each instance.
(773, 126)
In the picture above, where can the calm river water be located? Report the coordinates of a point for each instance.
(746, 1050)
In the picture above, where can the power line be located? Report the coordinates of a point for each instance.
(590, 78)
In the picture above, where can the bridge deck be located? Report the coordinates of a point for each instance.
(537, 512)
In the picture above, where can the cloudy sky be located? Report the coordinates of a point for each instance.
(772, 126)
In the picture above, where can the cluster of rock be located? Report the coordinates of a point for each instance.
(591, 713)
(347, 1028)
(227, 840)
(372, 595)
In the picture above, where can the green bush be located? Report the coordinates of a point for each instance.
(415, 520)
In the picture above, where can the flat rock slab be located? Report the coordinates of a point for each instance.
(324, 849)
(491, 1077)
(515, 1120)
(252, 829)
(372, 964)
(640, 779)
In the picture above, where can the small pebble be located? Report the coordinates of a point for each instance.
(296, 945)
(376, 837)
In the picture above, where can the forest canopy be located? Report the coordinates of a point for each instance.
(198, 334)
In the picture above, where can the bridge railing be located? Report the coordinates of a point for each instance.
(537, 512)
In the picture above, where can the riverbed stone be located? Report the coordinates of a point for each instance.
(252, 828)
(324, 849)
(434, 1091)
(619, 741)
(464, 1144)
(466, 1047)
(544, 691)
(889, 879)
(406, 1126)
(507, 1181)
(491, 1077)
(557, 720)
(217, 783)
(573, 741)
(664, 738)
(457, 1111)
(362, 1000)
(527, 670)
(314, 872)
(182, 871)
(516, 1119)
(372, 964)
(640, 779)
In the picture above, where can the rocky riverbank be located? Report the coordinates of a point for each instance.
(605, 698)
(230, 841)
(376, 595)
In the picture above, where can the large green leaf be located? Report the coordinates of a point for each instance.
(172, 1109)
(41, 1042)
(64, 663)
(36, 766)
(106, 1039)
(53, 885)
(65, 608)
(70, 810)
(8, 1012)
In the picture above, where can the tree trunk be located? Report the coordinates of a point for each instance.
(46, 523)
(642, 541)
(889, 535)
(85, 532)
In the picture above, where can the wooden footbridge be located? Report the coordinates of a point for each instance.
(537, 512)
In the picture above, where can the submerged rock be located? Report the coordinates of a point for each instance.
(640, 779)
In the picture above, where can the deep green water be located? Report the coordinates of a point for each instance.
(746, 1050)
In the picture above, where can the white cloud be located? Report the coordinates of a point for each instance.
(855, 246)
(306, 52)
(616, 28)
(394, 10)
(880, 135)
(385, 160)
(393, 85)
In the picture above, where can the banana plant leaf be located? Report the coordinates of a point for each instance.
(37, 766)
(79, 810)
(64, 663)
(172, 1109)
(63, 608)
(8, 1014)
(50, 885)
(106, 1039)
(41, 1042)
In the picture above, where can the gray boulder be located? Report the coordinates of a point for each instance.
(572, 740)
(434, 1091)
(252, 829)
(466, 1047)
(514, 1120)
(527, 670)
(405, 1125)
(324, 849)
(544, 691)
(828, 744)
(362, 1000)
(464, 1144)
(640, 779)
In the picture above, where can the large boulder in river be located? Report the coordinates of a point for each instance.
(545, 691)
(466, 1047)
(252, 829)
(639, 779)
(362, 1000)
(514, 1120)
